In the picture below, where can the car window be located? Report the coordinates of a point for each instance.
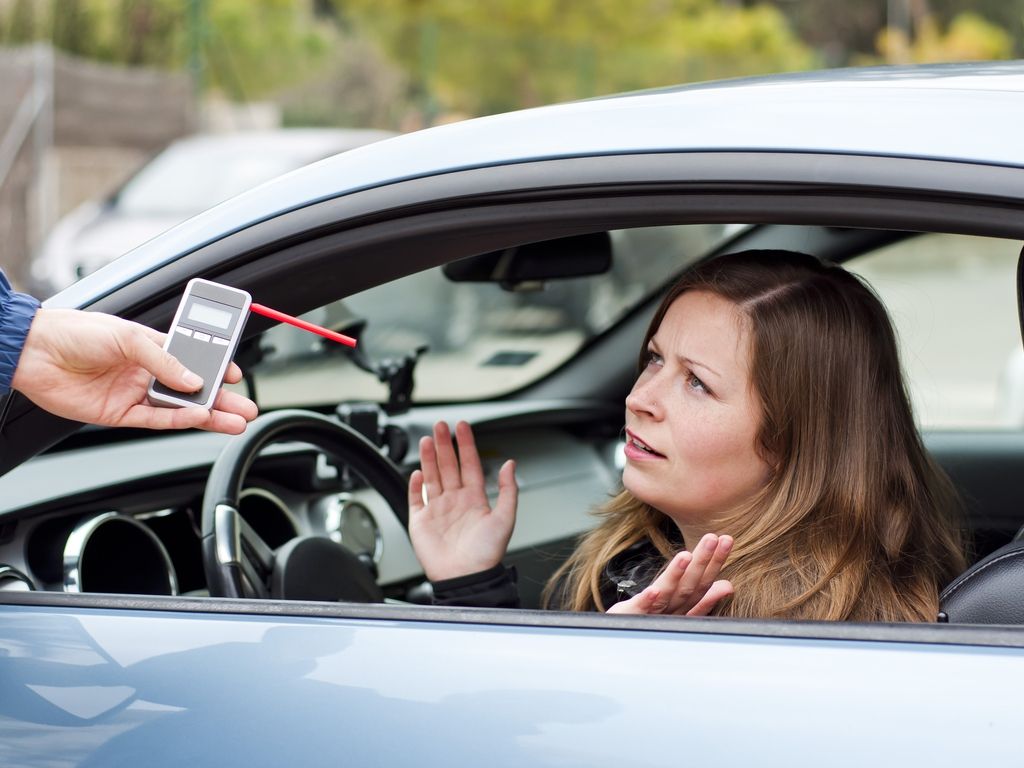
(952, 299)
(482, 341)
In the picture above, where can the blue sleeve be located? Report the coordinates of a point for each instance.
(16, 313)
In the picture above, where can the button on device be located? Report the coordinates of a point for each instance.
(183, 331)
(200, 336)
(222, 342)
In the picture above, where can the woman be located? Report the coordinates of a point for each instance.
(773, 468)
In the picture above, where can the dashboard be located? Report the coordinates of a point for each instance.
(124, 517)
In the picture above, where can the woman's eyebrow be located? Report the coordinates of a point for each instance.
(653, 344)
(697, 364)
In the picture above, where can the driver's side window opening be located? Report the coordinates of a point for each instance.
(480, 340)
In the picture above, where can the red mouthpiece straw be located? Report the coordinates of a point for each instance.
(281, 317)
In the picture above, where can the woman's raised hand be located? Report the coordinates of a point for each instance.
(688, 586)
(454, 530)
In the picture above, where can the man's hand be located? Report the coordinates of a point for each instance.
(688, 586)
(455, 532)
(95, 368)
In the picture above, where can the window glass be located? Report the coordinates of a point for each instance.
(482, 341)
(952, 299)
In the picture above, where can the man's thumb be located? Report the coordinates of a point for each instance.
(164, 366)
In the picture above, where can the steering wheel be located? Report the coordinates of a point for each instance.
(238, 563)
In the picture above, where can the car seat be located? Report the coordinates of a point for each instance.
(992, 590)
(989, 592)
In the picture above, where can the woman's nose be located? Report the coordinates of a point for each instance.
(644, 397)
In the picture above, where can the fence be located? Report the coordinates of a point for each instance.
(72, 130)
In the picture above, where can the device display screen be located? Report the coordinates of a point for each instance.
(203, 313)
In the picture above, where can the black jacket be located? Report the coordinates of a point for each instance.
(626, 575)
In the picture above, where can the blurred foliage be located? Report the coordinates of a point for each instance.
(845, 32)
(967, 38)
(484, 56)
(409, 62)
(245, 49)
(356, 87)
(1007, 15)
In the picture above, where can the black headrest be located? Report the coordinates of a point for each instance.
(989, 592)
(1020, 291)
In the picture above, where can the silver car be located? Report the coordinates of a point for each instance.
(126, 640)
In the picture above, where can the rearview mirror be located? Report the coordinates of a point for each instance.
(520, 266)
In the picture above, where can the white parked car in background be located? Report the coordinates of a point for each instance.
(189, 176)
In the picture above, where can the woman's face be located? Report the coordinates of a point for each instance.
(693, 416)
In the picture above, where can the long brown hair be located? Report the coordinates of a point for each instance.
(857, 521)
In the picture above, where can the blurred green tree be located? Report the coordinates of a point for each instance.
(1005, 14)
(484, 56)
(968, 37)
(23, 25)
(250, 47)
(75, 27)
(846, 32)
(471, 57)
(141, 32)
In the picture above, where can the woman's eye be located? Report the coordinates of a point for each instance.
(694, 383)
(653, 358)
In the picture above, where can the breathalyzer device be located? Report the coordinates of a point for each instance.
(203, 336)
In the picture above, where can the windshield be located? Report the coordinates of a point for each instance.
(482, 341)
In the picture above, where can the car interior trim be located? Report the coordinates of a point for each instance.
(13, 580)
(77, 551)
(188, 456)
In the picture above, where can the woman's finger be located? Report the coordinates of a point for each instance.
(472, 470)
(667, 582)
(716, 592)
(447, 461)
(714, 565)
(685, 595)
(428, 465)
(508, 493)
(644, 602)
(416, 492)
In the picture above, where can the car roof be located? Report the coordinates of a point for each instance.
(956, 112)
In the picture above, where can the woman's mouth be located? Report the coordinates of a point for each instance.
(638, 449)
